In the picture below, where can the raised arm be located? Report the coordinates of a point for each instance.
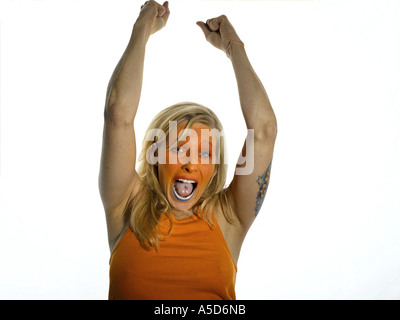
(247, 190)
(118, 180)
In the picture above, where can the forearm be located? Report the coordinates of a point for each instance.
(256, 107)
(125, 86)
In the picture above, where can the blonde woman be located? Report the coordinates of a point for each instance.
(174, 229)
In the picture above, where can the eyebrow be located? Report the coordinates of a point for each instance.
(210, 143)
(202, 142)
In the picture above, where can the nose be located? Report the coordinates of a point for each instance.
(189, 167)
(191, 161)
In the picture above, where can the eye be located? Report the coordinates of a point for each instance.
(177, 149)
(204, 154)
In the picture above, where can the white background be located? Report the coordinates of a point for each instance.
(329, 227)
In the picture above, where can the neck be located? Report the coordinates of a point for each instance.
(182, 214)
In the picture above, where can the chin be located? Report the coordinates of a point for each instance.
(182, 204)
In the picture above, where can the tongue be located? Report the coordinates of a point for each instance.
(183, 189)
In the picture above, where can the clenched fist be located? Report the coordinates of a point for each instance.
(154, 15)
(220, 33)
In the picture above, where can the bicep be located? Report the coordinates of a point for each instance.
(249, 186)
(118, 178)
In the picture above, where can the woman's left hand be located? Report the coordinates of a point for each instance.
(219, 32)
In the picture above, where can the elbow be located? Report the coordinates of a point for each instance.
(271, 130)
(266, 131)
(118, 110)
(116, 114)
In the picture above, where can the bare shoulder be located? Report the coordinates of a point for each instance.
(118, 219)
(231, 230)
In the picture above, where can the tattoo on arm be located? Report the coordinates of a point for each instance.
(263, 182)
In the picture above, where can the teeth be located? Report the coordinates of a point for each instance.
(186, 181)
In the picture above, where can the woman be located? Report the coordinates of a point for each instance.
(174, 231)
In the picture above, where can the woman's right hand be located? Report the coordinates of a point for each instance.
(153, 15)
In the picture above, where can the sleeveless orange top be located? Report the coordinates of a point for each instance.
(193, 263)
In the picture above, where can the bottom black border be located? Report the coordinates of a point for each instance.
(173, 309)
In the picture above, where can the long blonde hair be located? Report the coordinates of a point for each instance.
(150, 203)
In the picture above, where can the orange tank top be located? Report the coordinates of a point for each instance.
(193, 263)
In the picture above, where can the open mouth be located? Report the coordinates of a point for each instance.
(184, 189)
